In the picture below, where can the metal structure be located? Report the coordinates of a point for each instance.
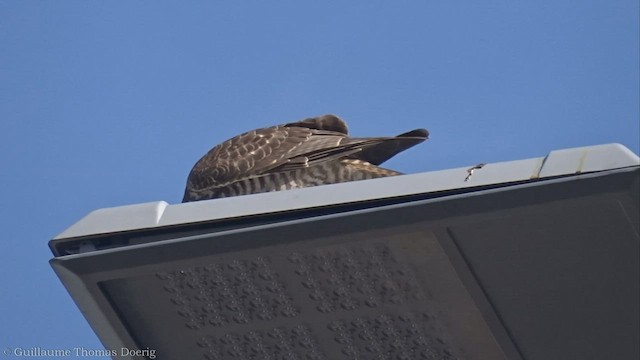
(528, 259)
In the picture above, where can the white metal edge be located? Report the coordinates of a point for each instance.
(160, 213)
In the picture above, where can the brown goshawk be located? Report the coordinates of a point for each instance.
(311, 152)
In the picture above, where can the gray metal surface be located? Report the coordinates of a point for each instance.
(159, 214)
(532, 269)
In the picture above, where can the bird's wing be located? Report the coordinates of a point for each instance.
(327, 146)
(256, 152)
(246, 155)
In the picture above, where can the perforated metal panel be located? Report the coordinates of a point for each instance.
(351, 299)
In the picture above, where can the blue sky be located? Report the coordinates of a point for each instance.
(108, 103)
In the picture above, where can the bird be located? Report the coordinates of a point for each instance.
(310, 152)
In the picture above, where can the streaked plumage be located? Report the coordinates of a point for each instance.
(314, 151)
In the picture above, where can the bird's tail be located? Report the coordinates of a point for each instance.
(386, 148)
